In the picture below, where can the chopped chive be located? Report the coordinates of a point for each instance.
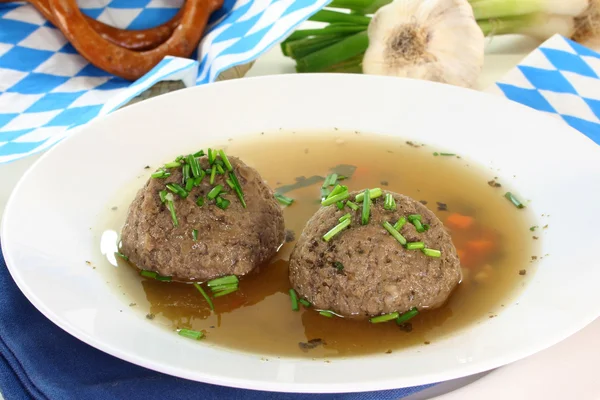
(336, 229)
(339, 266)
(223, 287)
(211, 156)
(198, 179)
(177, 189)
(407, 315)
(179, 158)
(426, 226)
(200, 201)
(397, 235)
(373, 194)
(224, 280)
(203, 293)
(341, 177)
(340, 205)
(214, 192)
(199, 153)
(366, 207)
(286, 201)
(163, 195)
(225, 160)
(431, 252)
(213, 174)
(447, 154)
(191, 334)
(220, 169)
(401, 222)
(418, 226)
(533, 228)
(161, 174)
(189, 185)
(390, 203)
(305, 303)
(148, 274)
(352, 205)
(225, 292)
(195, 235)
(384, 318)
(223, 203)
(324, 193)
(173, 164)
(171, 207)
(330, 180)
(123, 256)
(337, 190)
(334, 199)
(414, 217)
(163, 278)
(294, 298)
(230, 183)
(345, 217)
(194, 165)
(218, 162)
(186, 174)
(327, 314)
(237, 188)
(415, 245)
(514, 200)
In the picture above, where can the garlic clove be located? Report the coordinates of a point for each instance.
(436, 40)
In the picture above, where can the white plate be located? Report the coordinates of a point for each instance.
(46, 229)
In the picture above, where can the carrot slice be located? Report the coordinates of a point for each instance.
(480, 246)
(459, 221)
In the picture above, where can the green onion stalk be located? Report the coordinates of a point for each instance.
(340, 45)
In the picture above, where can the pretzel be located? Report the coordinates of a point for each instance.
(123, 62)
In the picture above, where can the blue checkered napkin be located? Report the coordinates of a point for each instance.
(561, 78)
(46, 88)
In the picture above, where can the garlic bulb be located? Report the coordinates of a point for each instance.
(436, 40)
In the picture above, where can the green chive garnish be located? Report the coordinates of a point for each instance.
(397, 235)
(432, 252)
(426, 226)
(401, 222)
(211, 156)
(195, 235)
(171, 207)
(213, 174)
(352, 205)
(148, 274)
(194, 165)
(330, 180)
(514, 200)
(345, 217)
(324, 193)
(225, 292)
(189, 185)
(414, 217)
(199, 153)
(220, 169)
(191, 334)
(177, 189)
(173, 164)
(226, 286)
(337, 229)
(186, 174)
(163, 195)
(407, 315)
(338, 265)
(340, 205)
(337, 190)
(384, 318)
(123, 256)
(294, 298)
(163, 278)
(533, 228)
(198, 180)
(224, 280)
(418, 226)
(415, 245)
(225, 160)
(305, 303)
(179, 158)
(203, 293)
(237, 188)
(161, 174)
(390, 203)
(373, 194)
(286, 201)
(223, 203)
(327, 314)
(214, 192)
(366, 207)
(334, 199)
(200, 201)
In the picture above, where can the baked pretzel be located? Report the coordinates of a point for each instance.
(139, 40)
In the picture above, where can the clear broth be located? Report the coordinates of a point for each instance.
(258, 318)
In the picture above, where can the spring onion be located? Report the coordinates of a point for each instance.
(384, 318)
(213, 174)
(340, 205)
(514, 200)
(200, 201)
(173, 164)
(401, 222)
(189, 185)
(225, 292)
(345, 217)
(194, 165)
(203, 293)
(186, 174)
(222, 203)
(373, 194)
(390, 203)
(171, 207)
(199, 153)
(431, 252)
(225, 160)
(407, 315)
(337, 190)
(191, 334)
(415, 245)
(237, 188)
(294, 299)
(198, 179)
(220, 169)
(224, 280)
(123, 256)
(330, 180)
(366, 207)
(305, 303)
(214, 192)
(211, 156)
(397, 235)
(195, 235)
(163, 195)
(286, 201)
(336, 229)
(161, 173)
(415, 217)
(334, 199)
(177, 189)
(339, 266)
(327, 314)
(352, 205)
(148, 274)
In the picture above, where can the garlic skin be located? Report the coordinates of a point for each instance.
(435, 40)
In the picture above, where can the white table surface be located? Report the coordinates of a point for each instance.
(568, 370)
